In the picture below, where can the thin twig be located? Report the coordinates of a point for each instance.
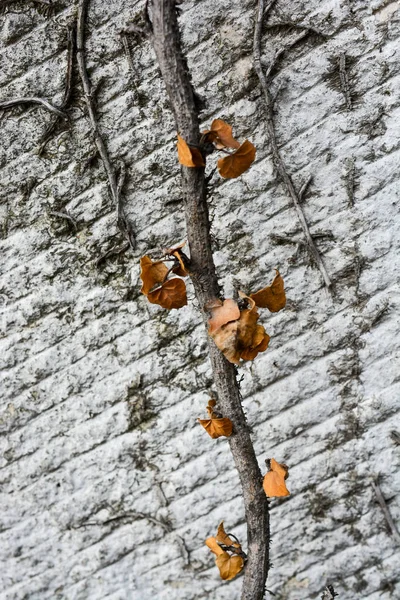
(304, 187)
(385, 510)
(277, 158)
(33, 100)
(115, 251)
(123, 222)
(284, 49)
(67, 91)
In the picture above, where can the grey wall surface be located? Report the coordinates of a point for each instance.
(109, 487)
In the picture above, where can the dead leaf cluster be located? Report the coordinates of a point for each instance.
(229, 554)
(236, 331)
(158, 286)
(216, 426)
(219, 136)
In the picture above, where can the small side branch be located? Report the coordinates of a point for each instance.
(276, 155)
(382, 503)
(5, 104)
(115, 188)
(67, 92)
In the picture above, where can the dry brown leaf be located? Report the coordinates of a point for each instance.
(251, 336)
(217, 427)
(172, 294)
(237, 163)
(241, 338)
(189, 156)
(251, 353)
(222, 313)
(229, 566)
(225, 338)
(152, 273)
(273, 296)
(274, 481)
(224, 134)
(211, 542)
(223, 538)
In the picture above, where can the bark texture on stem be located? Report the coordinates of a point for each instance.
(166, 43)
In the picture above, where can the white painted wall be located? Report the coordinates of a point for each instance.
(101, 391)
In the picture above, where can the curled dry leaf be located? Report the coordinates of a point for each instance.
(216, 426)
(189, 156)
(221, 135)
(223, 538)
(229, 565)
(222, 313)
(243, 338)
(181, 259)
(274, 481)
(273, 296)
(172, 294)
(152, 273)
(237, 163)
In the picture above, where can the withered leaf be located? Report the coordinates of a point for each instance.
(274, 481)
(189, 156)
(217, 427)
(273, 296)
(229, 566)
(172, 294)
(152, 273)
(243, 338)
(224, 133)
(223, 538)
(222, 313)
(237, 163)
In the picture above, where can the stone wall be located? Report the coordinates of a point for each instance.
(108, 486)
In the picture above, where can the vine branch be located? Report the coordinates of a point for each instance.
(165, 39)
(382, 503)
(33, 100)
(115, 184)
(67, 92)
(276, 155)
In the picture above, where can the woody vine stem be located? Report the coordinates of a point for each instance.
(165, 39)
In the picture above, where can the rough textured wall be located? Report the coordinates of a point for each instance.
(108, 485)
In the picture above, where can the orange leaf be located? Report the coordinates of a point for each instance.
(222, 313)
(217, 427)
(189, 156)
(272, 297)
(223, 538)
(172, 294)
(224, 133)
(152, 273)
(251, 336)
(229, 566)
(237, 163)
(211, 542)
(274, 481)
